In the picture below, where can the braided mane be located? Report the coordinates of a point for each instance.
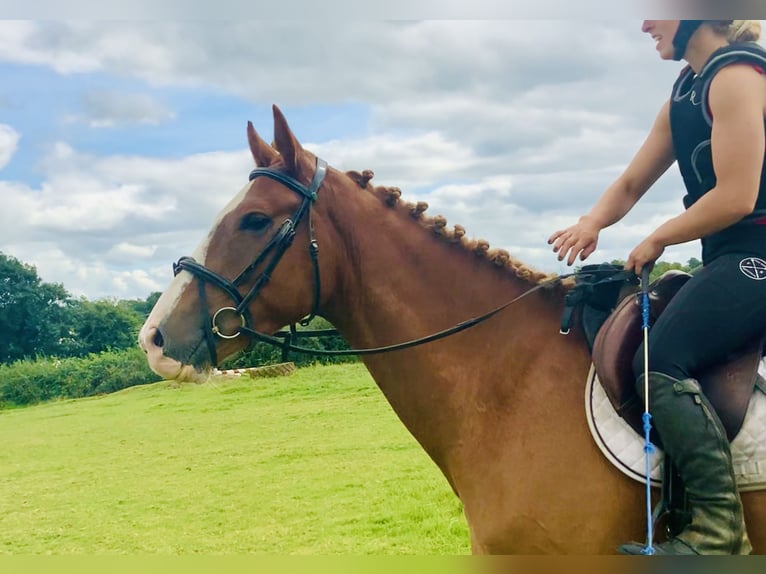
(391, 196)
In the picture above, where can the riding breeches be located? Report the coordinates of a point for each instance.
(717, 311)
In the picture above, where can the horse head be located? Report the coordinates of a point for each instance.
(258, 266)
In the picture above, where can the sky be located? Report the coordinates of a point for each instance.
(121, 139)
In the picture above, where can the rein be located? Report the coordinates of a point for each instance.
(462, 326)
(276, 247)
(591, 271)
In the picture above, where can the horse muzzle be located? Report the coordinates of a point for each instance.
(152, 342)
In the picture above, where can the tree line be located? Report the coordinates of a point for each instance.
(662, 267)
(43, 320)
(54, 345)
(39, 319)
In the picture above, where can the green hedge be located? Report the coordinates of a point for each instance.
(26, 382)
(32, 381)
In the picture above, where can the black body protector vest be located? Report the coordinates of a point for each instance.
(691, 127)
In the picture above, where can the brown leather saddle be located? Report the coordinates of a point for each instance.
(729, 385)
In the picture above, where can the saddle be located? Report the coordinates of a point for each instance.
(728, 385)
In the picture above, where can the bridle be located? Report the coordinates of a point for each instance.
(270, 255)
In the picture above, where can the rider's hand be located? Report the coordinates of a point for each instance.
(579, 239)
(645, 253)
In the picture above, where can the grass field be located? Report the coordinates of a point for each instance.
(311, 463)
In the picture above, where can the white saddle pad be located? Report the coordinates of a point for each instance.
(625, 449)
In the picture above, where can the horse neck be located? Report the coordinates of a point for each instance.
(396, 281)
(393, 275)
(400, 282)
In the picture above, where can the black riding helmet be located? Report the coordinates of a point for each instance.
(684, 33)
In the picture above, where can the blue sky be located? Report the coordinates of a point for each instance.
(120, 140)
(48, 107)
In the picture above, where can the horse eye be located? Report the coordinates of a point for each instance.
(255, 222)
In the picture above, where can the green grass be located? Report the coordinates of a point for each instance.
(312, 463)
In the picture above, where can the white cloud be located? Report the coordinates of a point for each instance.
(9, 140)
(28, 43)
(87, 277)
(125, 249)
(106, 109)
(408, 162)
(99, 225)
(356, 60)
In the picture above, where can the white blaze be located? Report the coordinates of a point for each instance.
(167, 302)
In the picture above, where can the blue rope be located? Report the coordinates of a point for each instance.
(647, 417)
(649, 450)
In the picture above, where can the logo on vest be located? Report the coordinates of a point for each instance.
(693, 98)
(753, 268)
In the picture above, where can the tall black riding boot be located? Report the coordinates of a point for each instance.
(694, 438)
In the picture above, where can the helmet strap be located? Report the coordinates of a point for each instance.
(686, 29)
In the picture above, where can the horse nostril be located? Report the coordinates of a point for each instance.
(158, 340)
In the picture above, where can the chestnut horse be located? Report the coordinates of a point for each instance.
(498, 407)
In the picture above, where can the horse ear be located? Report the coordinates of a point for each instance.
(286, 144)
(263, 154)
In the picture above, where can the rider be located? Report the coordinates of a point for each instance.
(713, 125)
